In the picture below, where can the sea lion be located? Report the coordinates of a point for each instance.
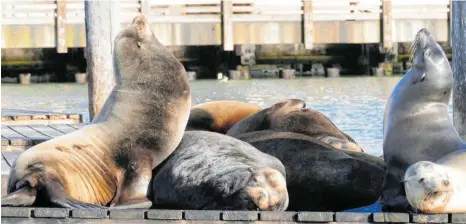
(438, 187)
(320, 177)
(109, 162)
(292, 116)
(212, 171)
(219, 116)
(417, 126)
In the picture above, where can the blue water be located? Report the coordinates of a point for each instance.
(356, 105)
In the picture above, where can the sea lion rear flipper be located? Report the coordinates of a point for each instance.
(24, 196)
(72, 203)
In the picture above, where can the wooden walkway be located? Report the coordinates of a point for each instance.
(17, 138)
(26, 117)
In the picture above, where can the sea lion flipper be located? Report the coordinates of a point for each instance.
(72, 203)
(341, 144)
(134, 204)
(24, 196)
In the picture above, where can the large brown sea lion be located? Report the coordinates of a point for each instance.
(320, 177)
(292, 116)
(219, 116)
(109, 162)
(417, 126)
(217, 172)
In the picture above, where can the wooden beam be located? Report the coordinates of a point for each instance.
(308, 24)
(227, 25)
(60, 26)
(102, 25)
(387, 24)
(145, 7)
(459, 65)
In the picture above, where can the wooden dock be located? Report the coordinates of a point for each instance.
(60, 24)
(17, 138)
(26, 117)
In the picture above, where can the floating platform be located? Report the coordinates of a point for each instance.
(44, 215)
(23, 117)
(17, 138)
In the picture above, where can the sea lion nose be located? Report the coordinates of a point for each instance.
(446, 182)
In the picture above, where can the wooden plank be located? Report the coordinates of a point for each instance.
(77, 126)
(60, 24)
(145, 7)
(387, 24)
(63, 128)
(5, 141)
(15, 138)
(227, 25)
(30, 133)
(308, 24)
(46, 130)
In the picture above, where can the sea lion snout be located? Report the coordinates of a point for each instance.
(268, 190)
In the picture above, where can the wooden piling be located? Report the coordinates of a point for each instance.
(459, 65)
(102, 26)
(307, 25)
(60, 26)
(227, 25)
(387, 24)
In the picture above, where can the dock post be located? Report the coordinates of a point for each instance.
(459, 65)
(60, 27)
(227, 25)
(387, 24)
(307, 24)
(102, 26)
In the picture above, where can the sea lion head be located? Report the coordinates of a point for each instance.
(428, 186)
(139, 58)
(430, 77)
(267, 190)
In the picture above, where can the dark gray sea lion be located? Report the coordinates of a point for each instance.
(292, 116)
(320, 177)
(417, 126)
(109, 162)
(219, 116)
(438, 187)
(213, 171)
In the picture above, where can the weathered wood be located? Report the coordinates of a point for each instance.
(5, 141)
(78, 126)
(387, 24)
(46, 130)
(459, 65)
(308, 25)
(102, 25)
(227, 25)
(60, 26)
(145, 7)
(15, 138)
(35, 136)
(63, 128)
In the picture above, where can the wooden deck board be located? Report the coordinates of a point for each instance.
(63, 128)
(46, 130)
(15, 138)
(30, 133)
(25, 117)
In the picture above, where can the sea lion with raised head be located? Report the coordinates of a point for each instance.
(320, 177)
(109, 162)
(417, 126)
(438, 187)
(292, 116)
(219, 116)
(212, 171)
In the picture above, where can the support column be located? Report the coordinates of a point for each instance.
(459, 65)
(387, 24)
(60, 27)
(102, 26)
(227, 25)
(308, 24)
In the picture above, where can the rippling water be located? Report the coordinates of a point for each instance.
(355, 104)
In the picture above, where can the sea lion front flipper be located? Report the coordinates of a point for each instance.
(72, 203)
(134, 204)
(341, 144)
(24, 196)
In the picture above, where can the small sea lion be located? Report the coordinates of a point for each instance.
(320, 177)
(292, 116)
(417, 126)
(212, 171)
(109, 162)
(438, 187)
(219, 116)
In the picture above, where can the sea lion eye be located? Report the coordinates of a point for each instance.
(423, 77)
(421, 180)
